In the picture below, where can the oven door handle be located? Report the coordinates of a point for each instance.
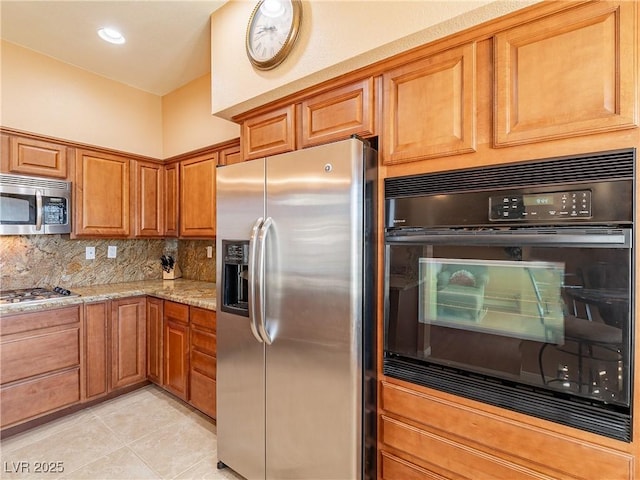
(618, 238)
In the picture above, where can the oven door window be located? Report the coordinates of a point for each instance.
(555, 317)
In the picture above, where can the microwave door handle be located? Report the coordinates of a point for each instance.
(253, 311)
(38, 210)
(261, 287)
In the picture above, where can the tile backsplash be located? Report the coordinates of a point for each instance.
(50, 260)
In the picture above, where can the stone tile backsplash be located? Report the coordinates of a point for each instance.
(50, 260)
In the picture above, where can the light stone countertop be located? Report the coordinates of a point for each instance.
(191, 292)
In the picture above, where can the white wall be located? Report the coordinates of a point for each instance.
(187, 123)
(336, 37)
(39, 94)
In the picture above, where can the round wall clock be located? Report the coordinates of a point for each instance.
(272, 31)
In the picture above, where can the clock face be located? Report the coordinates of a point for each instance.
(272, 31)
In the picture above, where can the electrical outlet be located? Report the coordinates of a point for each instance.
(112, 251)
(90, 253)
(209, 251)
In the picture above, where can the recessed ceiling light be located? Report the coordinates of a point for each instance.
(111, 35)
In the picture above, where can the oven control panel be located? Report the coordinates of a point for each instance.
(540, 206)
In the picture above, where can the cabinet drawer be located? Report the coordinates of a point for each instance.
(39, 354)
(488, 432)
(204, 364)
(176, 312)
(394, 468)
(203, 341)
(25, 322)
(203, 393)
(448, 455)
(203, 318)
(42, 395)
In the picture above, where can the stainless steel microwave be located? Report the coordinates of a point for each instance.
(33, 205)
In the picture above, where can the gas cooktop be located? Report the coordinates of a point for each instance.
(31, 295)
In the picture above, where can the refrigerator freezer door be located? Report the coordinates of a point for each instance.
(240, 356)
(314, 313)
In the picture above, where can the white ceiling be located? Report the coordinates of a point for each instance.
(168, 42)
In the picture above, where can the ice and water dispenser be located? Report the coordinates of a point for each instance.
(235, 277)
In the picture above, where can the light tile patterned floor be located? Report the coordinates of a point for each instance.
(146, 434)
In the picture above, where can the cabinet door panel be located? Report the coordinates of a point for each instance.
(101, 195)
(154, 340)
(128, 342)
(339, 113)
(149, 199)
(566, 75)
(268, 134)
(198, 197)
(171, 200)
(96, 354)
(176, 358)
(35, 157)
(430, 107)
(230, 155)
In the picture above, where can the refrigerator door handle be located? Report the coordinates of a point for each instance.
(262, 236)
(253, 244)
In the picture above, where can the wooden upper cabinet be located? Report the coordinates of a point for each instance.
(569, 74)
(101, 194)
(429, 107)
(198, 196)
(148, 199)
(171, 199)
(338, 113)
(230, 155)
(269, 133)
(28, 156)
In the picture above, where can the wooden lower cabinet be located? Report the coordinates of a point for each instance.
(40, 359)
(114, 345)
(154, 339)
(189, 353)
(202, 372)
(128, 342)
(425, 436)
(176, 349)
(96, 350)
(55, 358)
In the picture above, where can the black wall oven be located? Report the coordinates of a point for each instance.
(512, 285)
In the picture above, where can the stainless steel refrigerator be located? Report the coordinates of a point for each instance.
(295, 324)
